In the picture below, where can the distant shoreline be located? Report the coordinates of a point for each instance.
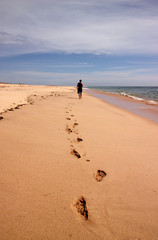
(142, 108)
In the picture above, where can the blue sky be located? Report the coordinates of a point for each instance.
(103, 42)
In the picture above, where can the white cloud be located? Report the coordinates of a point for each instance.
(87, 26)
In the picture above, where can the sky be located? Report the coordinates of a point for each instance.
(58, 42)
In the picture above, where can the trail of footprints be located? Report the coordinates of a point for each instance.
(30, 100)
(80, 204)
(11, 110)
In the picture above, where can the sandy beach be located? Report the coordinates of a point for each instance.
(75, 169)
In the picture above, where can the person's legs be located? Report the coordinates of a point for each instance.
(80, 95)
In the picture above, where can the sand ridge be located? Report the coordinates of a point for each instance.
(12, 96)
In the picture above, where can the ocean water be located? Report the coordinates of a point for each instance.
(149, 94)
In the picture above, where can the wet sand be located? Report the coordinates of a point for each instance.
(77, 169)
(140, 108)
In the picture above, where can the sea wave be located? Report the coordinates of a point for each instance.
(151, 102)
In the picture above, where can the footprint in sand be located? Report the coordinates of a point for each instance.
(75, 153)
(68, 118)
(1, 117)
(79, 139)
(20, 105)
(75, 124)
(10, 109)
(100, 175)
(82, 207)
(68, 130)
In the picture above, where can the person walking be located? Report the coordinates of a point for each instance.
(79, 88)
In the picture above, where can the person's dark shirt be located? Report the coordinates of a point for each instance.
(79, 86)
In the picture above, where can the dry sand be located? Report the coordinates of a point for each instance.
(51, 151)
(13, 95)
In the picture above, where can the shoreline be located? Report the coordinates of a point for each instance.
(141, 108)
(135, 96)
(77, 169)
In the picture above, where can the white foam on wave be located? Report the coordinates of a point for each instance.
(124, 94)
(131, 96)
(151, 102)
(136, 98)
